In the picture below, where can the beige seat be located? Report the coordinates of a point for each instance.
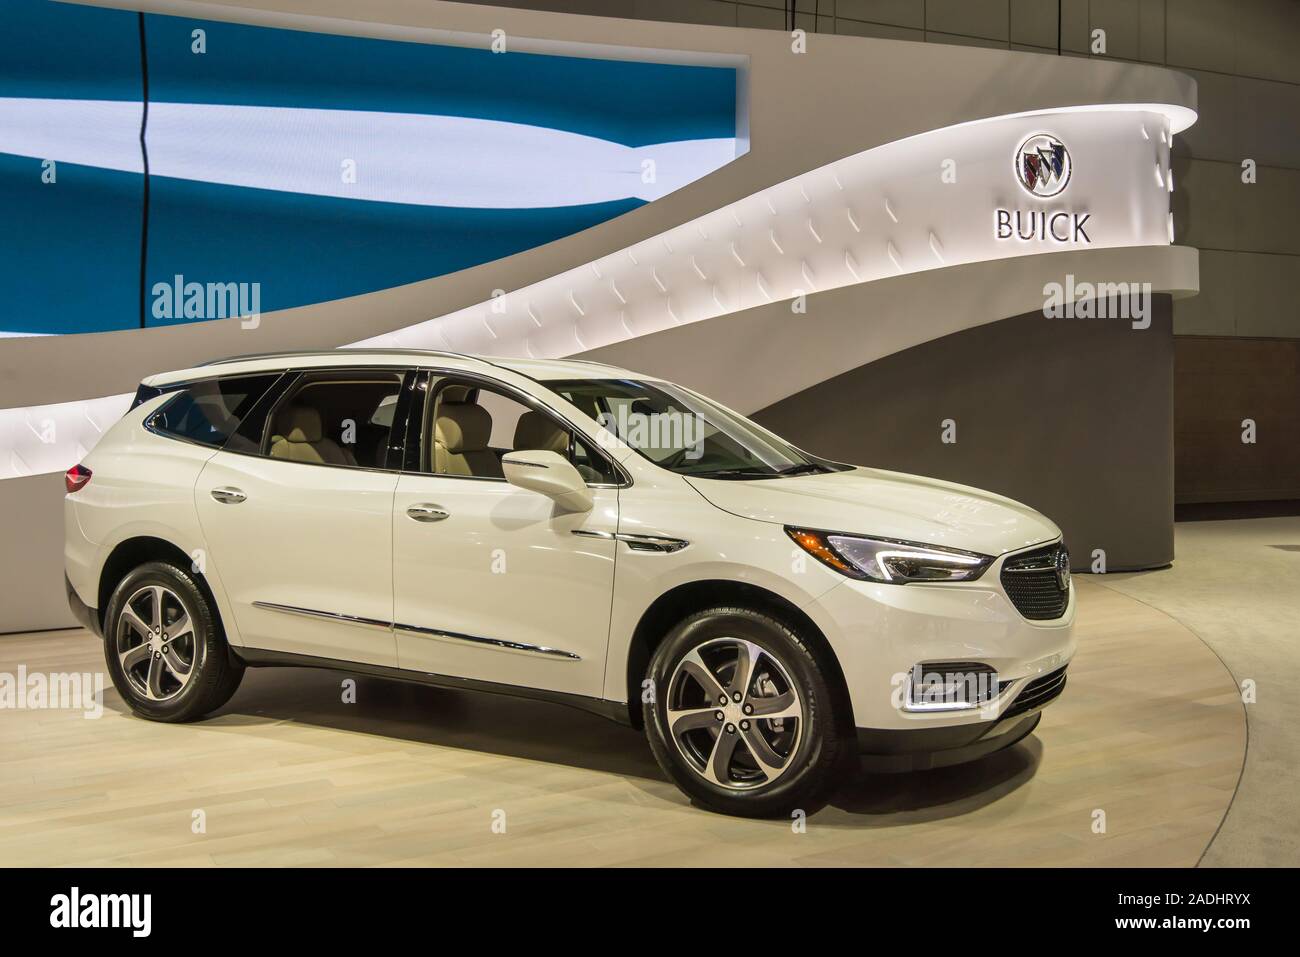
(461, 433)
(299, 439)
(538, 431)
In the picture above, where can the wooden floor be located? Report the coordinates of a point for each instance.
(1150, 731)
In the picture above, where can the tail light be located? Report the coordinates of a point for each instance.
(76, 478)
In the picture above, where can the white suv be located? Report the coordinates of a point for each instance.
(572, 532)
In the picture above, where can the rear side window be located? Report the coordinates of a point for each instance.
(208, 412)
(336, 417)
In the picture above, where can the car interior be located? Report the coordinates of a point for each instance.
(473, 428)
(209, 411)
(346, 419)
(336, 422)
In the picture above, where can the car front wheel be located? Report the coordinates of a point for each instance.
(743, 717)
(164, 648)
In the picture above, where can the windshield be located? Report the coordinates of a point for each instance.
(686, 433)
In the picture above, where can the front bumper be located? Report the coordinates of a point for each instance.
(879, 632)
(924, 748)
(900, 751)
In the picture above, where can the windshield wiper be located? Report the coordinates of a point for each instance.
(802, 469)
(734, 473)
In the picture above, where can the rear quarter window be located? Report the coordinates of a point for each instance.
(208, 412)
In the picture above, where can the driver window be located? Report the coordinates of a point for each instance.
(472, 427)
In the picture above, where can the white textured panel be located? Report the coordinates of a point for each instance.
(52, 438)
(847, 328)
(883, 212)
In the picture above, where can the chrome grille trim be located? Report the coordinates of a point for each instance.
(1037, 693)
(1030, 582)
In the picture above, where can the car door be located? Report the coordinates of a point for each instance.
(492, 582)
(297, 514)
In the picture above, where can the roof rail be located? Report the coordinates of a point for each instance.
(592, 362)
(307, 353)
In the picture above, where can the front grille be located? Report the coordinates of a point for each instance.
(1030, 582)
(1037, 693)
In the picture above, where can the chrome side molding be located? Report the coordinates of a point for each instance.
(500, 644)
(328, 615)
(638, 543)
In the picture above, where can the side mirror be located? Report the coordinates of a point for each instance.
(550, 474)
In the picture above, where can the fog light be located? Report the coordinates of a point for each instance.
(951, 686)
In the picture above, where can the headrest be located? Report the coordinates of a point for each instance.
(538, 431)
(456, 393)
(213, 408)
(462, 427)
(383, 415)
(300, 423)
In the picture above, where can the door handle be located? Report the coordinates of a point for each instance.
(228, 495)
(424, 512)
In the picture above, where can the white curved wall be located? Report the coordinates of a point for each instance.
(849, 327)
(921, 203)
(869, 92)
(926, 202)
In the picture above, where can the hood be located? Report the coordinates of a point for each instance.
(884, 504)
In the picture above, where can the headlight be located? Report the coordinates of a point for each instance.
(889, 561)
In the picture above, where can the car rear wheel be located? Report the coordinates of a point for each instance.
(742, 716)
(164, 647)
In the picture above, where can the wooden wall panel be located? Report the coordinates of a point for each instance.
(1219, 382)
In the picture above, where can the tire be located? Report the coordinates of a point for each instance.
(785, 677)
(176, 694)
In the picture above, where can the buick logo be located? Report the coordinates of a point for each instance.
(1063, 568)
(1043, 165)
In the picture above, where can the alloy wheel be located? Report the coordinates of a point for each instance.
(734, 714)
(156, 643)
